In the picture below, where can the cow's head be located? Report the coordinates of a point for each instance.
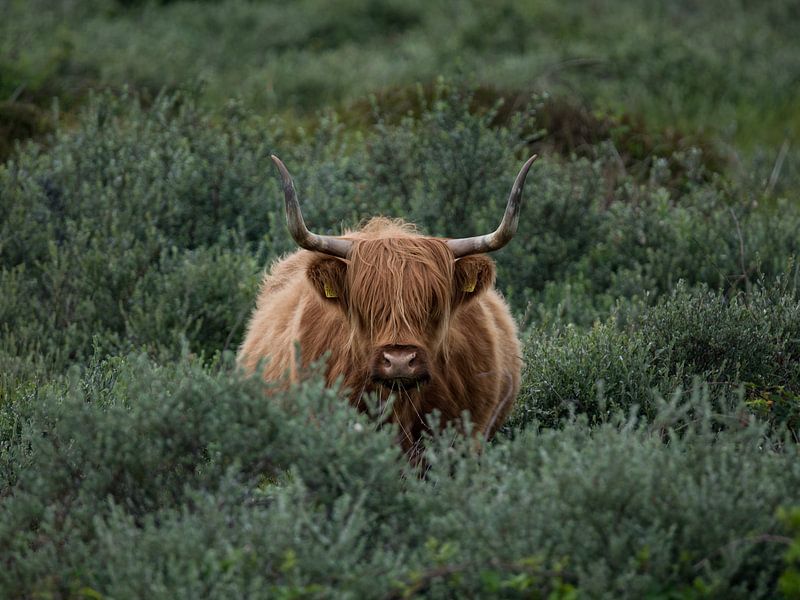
(397, 289)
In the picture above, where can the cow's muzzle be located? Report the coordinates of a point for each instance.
(400, 365)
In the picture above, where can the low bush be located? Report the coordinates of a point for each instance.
(575, 371)
(127, 229)
(751, 338)
(747, 342)
(133, 230)
(654, 449)
(197, 299)
(138, 480)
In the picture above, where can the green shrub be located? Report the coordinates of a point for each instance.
(742, 338)
(97, 231)
(199, 298)
(749, 341)
(91, 232)
(662, 463)
(593, 373)
(140, 480)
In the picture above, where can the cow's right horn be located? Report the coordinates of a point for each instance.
(297, 227)
(508, 226)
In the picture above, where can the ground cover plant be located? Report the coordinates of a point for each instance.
(653, 449)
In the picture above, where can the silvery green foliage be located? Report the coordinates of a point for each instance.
(748, 343)
(140, 480)
(655, 436)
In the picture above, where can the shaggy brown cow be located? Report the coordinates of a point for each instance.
(399, 313)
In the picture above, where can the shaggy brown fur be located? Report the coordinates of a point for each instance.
(396, 288)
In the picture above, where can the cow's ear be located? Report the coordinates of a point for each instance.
(473, 275)
(327, 275)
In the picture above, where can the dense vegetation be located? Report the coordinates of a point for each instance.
(653, 451)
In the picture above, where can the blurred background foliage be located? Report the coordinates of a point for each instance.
(653, 450)
(722, 67)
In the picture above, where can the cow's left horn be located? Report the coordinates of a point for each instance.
(508, 227)
(297, 227)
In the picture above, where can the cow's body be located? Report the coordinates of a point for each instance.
(405, 315)
(476, 368)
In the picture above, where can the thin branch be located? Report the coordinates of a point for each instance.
(498, 409)
(756, 539)
(776, 169)
(744, 276)
(17, 93)
(240, 317)
(424, 581)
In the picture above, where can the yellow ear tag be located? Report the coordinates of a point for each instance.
(330, 292)
(469, 286)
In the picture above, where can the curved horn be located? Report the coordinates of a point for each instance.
(297, 227)
(508, 227)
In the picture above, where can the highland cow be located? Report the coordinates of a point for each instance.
(398, 313)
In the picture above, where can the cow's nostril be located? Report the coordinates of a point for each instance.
(398, 363)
